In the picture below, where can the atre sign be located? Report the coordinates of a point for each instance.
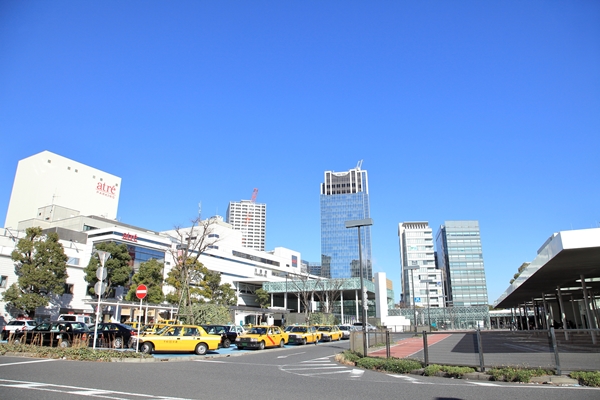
(130, 237)
(106, 190)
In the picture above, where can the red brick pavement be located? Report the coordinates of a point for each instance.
(408, 347)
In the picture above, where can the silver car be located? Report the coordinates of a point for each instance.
(346, 331)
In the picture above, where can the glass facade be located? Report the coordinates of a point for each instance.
(461, 258)
(344, 197)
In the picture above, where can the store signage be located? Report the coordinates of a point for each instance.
(130, 237)
(106, 190)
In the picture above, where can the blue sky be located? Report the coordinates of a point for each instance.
(459, 110)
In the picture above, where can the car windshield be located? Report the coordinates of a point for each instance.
(43, 327)
(258, 331)
(162, 330)
(324, 328)
(298, 329)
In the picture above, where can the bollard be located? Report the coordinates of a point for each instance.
(387, 344)
(480, 350)
(555, 348)
(425, 349)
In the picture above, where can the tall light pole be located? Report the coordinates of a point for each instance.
(412, 281)
(99, 288)
(427, 282)
(357, 224)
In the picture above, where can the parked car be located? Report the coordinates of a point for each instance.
(236, 328)
(358, 326)
(346, 331)
(260, 337)
(13, 326)
(329, 333)
(303, 334)
(56, 333)
(180, 338)
(112, 334)
(86, 319)
(227, 336)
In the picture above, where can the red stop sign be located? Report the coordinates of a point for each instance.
(141, 291)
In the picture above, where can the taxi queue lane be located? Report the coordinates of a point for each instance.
(221, 352)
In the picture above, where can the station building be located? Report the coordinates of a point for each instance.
(80, 204)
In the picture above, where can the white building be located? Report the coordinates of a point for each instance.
(46, 180)
(250, 218)
(417, 258)
(63, 204)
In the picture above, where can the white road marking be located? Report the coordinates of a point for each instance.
(28, 362)
(80, 391)
(484, 384)
(321, 367)
(293, 354)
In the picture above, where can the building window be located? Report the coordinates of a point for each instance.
(69, 288)
(3, 281)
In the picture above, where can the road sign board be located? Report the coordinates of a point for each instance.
(417, 299)
(101, 273)
(99, 288)
(141, 291)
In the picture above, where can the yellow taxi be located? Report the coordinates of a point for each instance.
(302, 334)
(259, 337)
(329, 333)
(151, 329)
(179, 338)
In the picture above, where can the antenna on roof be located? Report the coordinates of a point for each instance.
(359, 164)
(200, 211)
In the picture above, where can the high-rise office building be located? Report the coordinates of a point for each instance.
(345, 197)
(250, 218)
(461, 258)
(418, 261)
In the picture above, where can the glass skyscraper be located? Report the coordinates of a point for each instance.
(461, 258)
(345, 197)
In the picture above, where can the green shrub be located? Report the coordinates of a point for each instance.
(70, 353)
(512, 374)
(351, 356)
(371, 363)
(452, 371)
(432, 369)
(401, 365)
(587, 378)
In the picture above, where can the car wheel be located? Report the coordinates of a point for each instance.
(226, 343)
(261, 345)
(147, 348)
(303, 340)
(64, 343)
(118, 343)
(201, 349)
(281, 343)
(18, 340)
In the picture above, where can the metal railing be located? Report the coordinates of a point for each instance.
(554, 349)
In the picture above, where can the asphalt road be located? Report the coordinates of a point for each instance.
(295, 372)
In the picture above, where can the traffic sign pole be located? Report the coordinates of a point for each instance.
(137, 344)
(140, 292)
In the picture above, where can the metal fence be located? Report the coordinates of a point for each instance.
(559, 350)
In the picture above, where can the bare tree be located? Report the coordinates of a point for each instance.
(329, 291)
(306, 287)
(189, 244)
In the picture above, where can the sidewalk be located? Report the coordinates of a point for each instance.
(407, 347)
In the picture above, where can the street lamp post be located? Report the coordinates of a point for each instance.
(412, 281)
(357, 224)
(285, 298)
(427, 282)
(99, 288)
